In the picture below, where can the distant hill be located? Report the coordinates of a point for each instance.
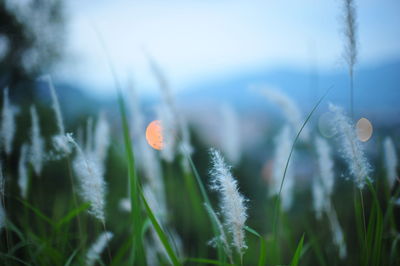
(377, 93)
(377, 90)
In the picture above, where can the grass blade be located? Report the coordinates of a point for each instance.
(72, 214)
(277, 203)
(210, 211)
(160, 232)
(37, 212)
(207, 261)
(263, 252)
(6, 256)
(71, 257)
(297, 254)
(137, 222)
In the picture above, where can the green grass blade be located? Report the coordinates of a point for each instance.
(14, 228)
(19, 246)
(359, 221)
(137, 222)
(71, 257)
(277, 203)
(263, 251)
(160, 232)
(298, 253)
(116, 259)
(207, 261)
(37, 212)
(377, 217)
(210, 210)
(394, 250)
(199, 181)
(72, 214)
(6, 256)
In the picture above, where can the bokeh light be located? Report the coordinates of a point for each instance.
(325, 125)
(364, 129)
(154, 135)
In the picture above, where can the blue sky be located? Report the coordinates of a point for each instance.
(199, 40)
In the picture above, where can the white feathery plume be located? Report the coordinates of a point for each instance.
(60, 141)
(92, 187)
(22, 171)
(2, 181)
(2, 216)
(283, 146)
(350, 35)
(290, 109)
(230, 134)
(391, 161)
(2, 210)
(351, 147)
(325, 164)
(97, 248)
(55, 104)
(338, 236)
(232, 202)
(37, 144)
(324, 182)
(101, 138)
(7, 123)
(350, 44)
(125, 205)
(221, 238)
(319, 200)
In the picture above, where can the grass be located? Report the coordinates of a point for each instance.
(52, 227)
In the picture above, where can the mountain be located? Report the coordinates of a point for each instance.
(376, 90)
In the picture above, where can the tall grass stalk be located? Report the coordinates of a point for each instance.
(353, 153)
(232, 202)
(138, 253)
(290, 109)
(210, 211)
(7, 130)
(350, 51)
(36, 149)
(3, 212)
(97, 247)
(277, 201)
(283, 145)
(390, 161)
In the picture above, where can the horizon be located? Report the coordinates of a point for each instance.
(202, 41)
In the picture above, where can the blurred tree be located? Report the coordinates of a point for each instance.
(31, 41)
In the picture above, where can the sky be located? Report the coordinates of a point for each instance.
(194, 41)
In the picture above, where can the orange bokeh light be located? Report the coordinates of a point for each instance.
(364, 129)
(154, 135)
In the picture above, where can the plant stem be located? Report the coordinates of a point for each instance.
(75, 202)
(364, 222)
(108, 243)
(351, 95)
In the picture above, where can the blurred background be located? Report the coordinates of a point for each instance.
(216, 57)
